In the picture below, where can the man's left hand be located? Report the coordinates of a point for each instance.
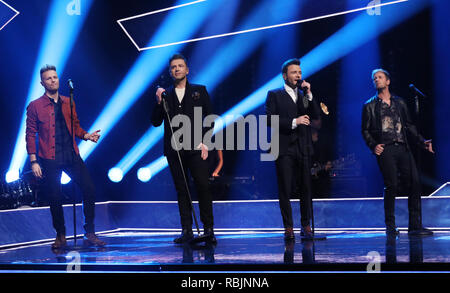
(94, 136)
(306, 85)
(429, 146)
(204, 149)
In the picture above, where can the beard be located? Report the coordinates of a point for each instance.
(291, 85)
(52, 90)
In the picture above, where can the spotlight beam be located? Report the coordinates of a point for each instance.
(61, 29)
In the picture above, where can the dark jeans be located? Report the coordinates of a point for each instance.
(79, 173)
(294, 177)
(198, 168)
(397, 165)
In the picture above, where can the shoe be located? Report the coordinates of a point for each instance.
(209, 234)
(207, 237)
(289, 234)
(420, 232)
(185, 237)
(306, 232)
(392, 231)
(60, 242)
(90, 239)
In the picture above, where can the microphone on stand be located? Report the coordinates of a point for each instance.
(70, 82)
(74, 216)
(163, 98)
(417, 91)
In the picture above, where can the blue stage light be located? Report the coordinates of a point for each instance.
(353, 35)
(152, 169)
(144, 174)
(60, 34)
(150, 138)
(115, 174)
(65, 178)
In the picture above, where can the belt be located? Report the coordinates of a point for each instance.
(396, 143)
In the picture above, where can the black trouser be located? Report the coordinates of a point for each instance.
(397, 160)
(79, 173)
(294, 175)
(198, 168)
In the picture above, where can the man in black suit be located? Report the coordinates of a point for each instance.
(186, 100)
(295, 107)
(389, 133)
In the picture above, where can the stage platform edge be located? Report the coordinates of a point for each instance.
(33, 225)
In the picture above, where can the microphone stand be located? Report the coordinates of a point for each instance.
(73, 194)
(166, 110)
(311, 209)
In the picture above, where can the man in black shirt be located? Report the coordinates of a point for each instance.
(388, 131)
(49, 117)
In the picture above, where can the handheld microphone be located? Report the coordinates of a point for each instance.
(417, 91)
(70, 84)
(299, 85)
(163, 98)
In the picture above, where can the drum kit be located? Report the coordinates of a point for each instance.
(19, 193)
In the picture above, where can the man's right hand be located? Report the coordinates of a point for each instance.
(302, 120)
(36, 168)
(159, 92)
(379, 148)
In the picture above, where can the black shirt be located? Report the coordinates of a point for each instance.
(391, 124)
(64, 151)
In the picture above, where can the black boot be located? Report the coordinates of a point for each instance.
(186, 236)
(392, 231)
(209, 233)
(207, 237)
(420, 232)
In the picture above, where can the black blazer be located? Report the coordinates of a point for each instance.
(279, 103)
(194, 96)
(371, 123)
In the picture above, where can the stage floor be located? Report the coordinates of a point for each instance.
(246, 251)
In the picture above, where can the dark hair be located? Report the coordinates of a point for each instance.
(177, 56)
(388, 76)
(293, 61)
(47, 67)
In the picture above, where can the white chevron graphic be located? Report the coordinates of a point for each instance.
(10, 7)
(370, 6)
